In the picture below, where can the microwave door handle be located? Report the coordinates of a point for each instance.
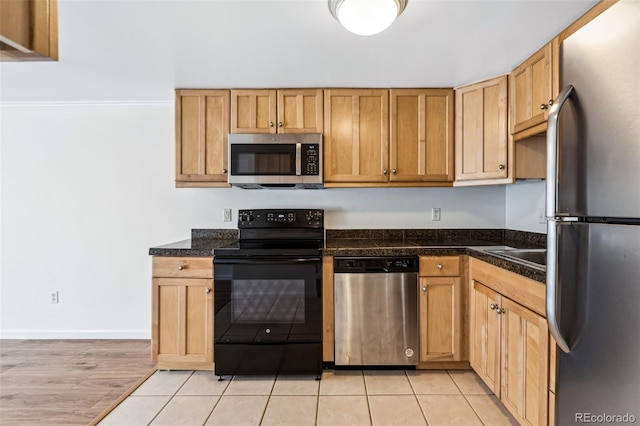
(298, 159)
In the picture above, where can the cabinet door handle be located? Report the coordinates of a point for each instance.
(279, 123)
(394, 171)
(493, 306)
(208, 290)
(424, 288)
(501, 166)
(224, 171)
(384, 172)
(271, 124)
(500, 310)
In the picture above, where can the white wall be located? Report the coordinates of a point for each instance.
(524, 202)
(87, 189)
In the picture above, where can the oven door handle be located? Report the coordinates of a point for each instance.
(265, 261)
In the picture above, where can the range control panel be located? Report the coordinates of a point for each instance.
(290, 218)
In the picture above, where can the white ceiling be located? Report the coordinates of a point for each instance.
(139, 50)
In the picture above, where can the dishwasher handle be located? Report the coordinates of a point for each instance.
(375, 265)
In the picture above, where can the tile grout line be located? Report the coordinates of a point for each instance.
(264, 411)
(415, 395)
(465, 398)
(366, 397)
(219, 399)
(170, 399)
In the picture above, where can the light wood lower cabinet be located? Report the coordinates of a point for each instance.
(440, 309)
(182, 313)
(509, 344)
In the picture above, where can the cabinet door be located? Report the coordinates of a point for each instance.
(253, 111)
(440, 319)
(356, 142)
(182, 323)
(484, 353)
(421, 135)
(300, 111)
(202, 128)
(525, 345)
(29, 29)
(531, 90)
(481, 130)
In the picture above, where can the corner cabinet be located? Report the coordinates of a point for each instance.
(28, 30)
(531, 90)
(202, 129)
(276, 111)
(484, 149)
(509, 342)
(421, 147)
(182, 313)
(440, 310)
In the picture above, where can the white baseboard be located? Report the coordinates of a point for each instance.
(75, 334)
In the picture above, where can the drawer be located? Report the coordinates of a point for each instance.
(182, 267)
(439, 266)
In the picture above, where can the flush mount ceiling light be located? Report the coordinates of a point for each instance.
(366, 17)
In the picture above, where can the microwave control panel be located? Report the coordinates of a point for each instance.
(310, 159)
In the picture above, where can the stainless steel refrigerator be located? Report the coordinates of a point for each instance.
(593, 221)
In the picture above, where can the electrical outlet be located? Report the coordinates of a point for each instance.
(435, 213)
(227, 215)
(54, 298)
(541, 217)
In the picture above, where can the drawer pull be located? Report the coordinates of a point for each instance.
(439, 265)
(181, 267)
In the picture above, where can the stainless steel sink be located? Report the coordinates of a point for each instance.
(532, 257)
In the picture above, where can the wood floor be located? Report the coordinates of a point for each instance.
(66, 382)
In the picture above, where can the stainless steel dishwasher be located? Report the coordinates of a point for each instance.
(376, 311)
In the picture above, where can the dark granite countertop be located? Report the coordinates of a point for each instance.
(396, 242)
(201, 243)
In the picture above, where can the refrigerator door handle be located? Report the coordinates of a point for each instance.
(552, 285)
(552, 151)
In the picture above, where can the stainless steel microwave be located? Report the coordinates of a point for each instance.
(275, 161)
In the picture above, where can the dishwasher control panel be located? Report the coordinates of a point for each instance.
(355, 265)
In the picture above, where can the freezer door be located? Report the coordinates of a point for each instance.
(599, 159)
(599, 278)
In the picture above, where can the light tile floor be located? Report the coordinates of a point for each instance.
(342, 397)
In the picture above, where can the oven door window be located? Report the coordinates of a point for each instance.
(261, 302)
(279, 301)
(263, 159)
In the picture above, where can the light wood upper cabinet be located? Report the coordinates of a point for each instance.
(253, 111)
(28, 30)
(356, 135)
(182, 313)
(482, 140)
(276, 111)
(421, 135)
(300, 111)
(531, 91)
(202, 129)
